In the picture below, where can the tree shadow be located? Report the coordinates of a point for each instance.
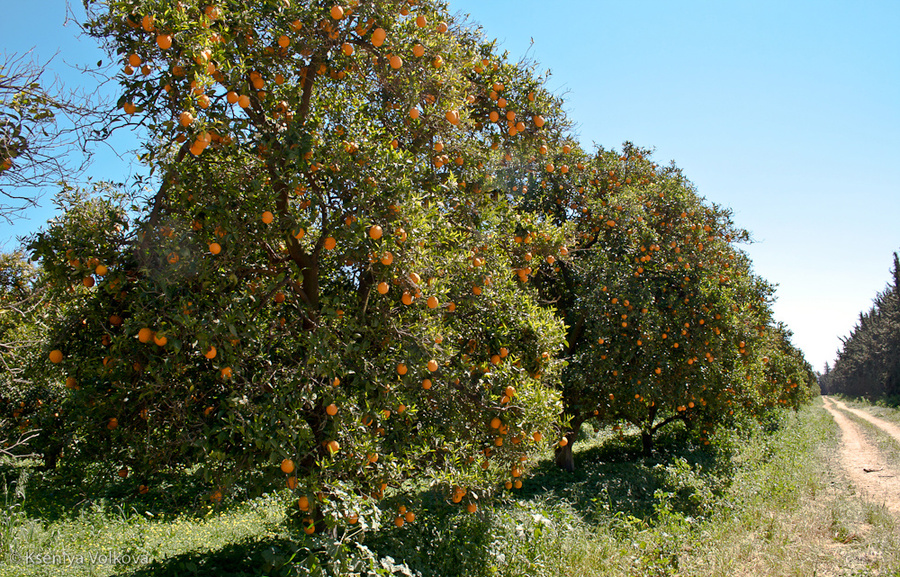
(613, 478)
(251, 557)
(65, 492)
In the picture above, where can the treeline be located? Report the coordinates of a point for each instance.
(869, 363)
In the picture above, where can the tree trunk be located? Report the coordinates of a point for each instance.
(564, 458)
(647, 443)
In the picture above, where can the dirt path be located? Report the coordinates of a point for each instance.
(876, 478)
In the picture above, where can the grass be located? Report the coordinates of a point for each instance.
(758, 501)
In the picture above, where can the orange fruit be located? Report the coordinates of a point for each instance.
(215, 248)
(421, 21)
(56, 356)
(378, 37)
(303, 502)
(383, 287)
(226, 372)
(375, 232)
(164, 41)
(471, 507)
(347, 49)
(337, 12)
(160, 341)
(267, 217)
(432, 302)
(401, 369)
(333, 447)
(396, 62)
(330, 243)
(112, 424)
(145, 335)
(287, 466)
(210, 352)
(331, 409)
(426, 384)
(432, 365)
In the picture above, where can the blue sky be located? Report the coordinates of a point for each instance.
(786, 112)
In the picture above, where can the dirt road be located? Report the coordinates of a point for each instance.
(874, 476)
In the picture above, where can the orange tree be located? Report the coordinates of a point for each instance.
(658, 302)
(320, 287)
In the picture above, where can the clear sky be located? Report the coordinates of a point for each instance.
(787, 112)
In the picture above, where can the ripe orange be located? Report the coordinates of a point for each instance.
(226, 372)
(160, 340)
(383, 287)
(164, 41)
(145, 335)
(375, 232)
(563, 442)
(347, 49)
(331, 409)
(396, 62)
(333, 447)
(337, 12)
(287, 466)
(303, 502)
(56, 356)
(378, 37)
(112, 424)
(432, 302)
(215, 248)
(267, 217)
(210, 352)
(432, 365)
(426, 384)
(330, 243)
(401, 369)
(471, 507)
(418, 50)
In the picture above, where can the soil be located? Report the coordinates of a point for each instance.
(874, 475)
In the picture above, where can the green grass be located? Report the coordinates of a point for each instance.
(758, 501)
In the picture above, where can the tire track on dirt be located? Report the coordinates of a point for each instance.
(886, 426)
(873, 475)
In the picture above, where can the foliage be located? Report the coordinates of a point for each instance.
(319, 292)
(666, 319)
